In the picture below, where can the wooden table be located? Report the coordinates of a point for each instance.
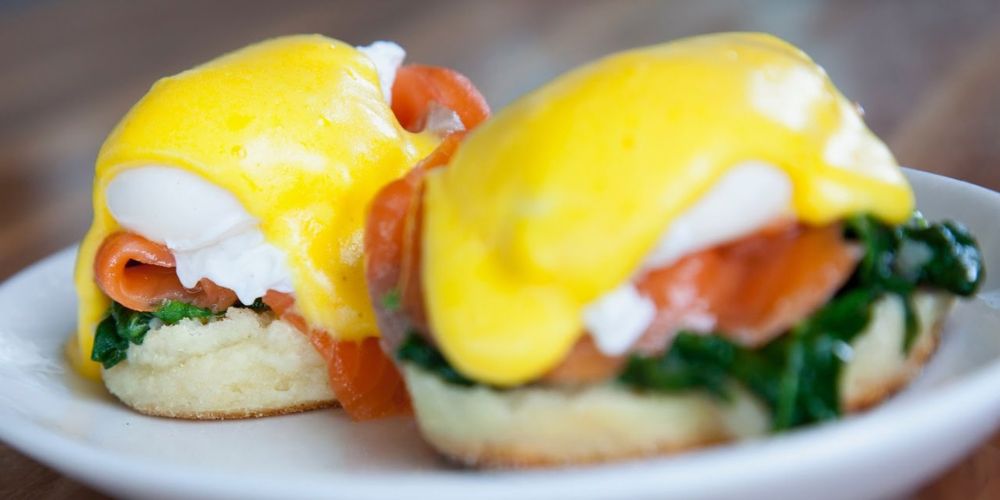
(927, 72)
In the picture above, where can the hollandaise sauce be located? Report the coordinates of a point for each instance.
(568, 193)
(300, 134)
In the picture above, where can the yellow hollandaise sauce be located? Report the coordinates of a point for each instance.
(297, 129)
(559, 197)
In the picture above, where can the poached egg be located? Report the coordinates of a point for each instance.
(206, 228)
(546, 212)
(255, 170)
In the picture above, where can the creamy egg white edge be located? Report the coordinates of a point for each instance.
(205, 227)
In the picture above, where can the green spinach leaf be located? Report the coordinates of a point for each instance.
(955, 263)
(418, 351)
(693, 361)
(130, 325)
(172, 312)
(109, 349)
(123, 326)
(815, 351)
(797, 375)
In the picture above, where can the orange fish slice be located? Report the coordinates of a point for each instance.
(365, 381)
(753, 289)
(139, 274)
(392, 245)
(418, 89)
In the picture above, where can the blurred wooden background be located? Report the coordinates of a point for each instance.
(927, 73)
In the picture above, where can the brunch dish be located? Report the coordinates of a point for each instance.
(229, 204)
(668, 248)
(696, 246)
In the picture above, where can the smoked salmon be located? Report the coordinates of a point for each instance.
(419, 89)
(139, 274)
(750, 291)
(365, 380)
(385, 229)
(392, 246)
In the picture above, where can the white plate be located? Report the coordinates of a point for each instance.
(74, 426)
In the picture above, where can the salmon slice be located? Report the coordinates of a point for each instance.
(785, 281)
(386, 225)
(751, 290)
(392, 246)
(139, 274)
(417, 89)
(686, 294)
(365, 380)
(410, 286)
